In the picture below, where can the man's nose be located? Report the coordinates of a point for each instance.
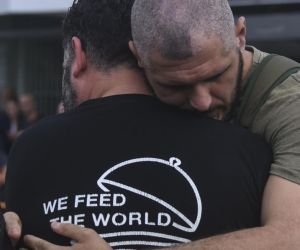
(200, 98)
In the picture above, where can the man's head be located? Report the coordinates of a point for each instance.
(95, 38)
(27, 104)
(191, 52)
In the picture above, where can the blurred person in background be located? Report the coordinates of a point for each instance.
(29, 110)
(12, 109)
(4, 130)
(3, 160)
(7, 94)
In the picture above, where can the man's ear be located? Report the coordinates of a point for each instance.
(79, 63)
(240, 32)
(135, 53)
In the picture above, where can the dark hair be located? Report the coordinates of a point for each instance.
(104, 28)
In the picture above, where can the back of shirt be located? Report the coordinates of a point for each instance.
(140, 173)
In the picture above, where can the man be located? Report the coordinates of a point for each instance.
(139, 172)
(2, 178)
(29, 111)
(196, 58)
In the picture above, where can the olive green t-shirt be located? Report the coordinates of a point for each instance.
(278, 121)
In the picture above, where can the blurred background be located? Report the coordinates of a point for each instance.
(272, 25)
(30, 49)
(31, 53)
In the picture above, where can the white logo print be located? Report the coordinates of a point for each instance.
(183, 223)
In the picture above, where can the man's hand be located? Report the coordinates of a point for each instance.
(280, 220)
(82, 238)
(13, 227)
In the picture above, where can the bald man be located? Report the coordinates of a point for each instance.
(195, 57)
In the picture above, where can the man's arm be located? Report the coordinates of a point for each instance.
(280, 223)
(280, 226)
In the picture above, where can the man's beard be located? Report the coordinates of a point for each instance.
(69, 95)
(237, 92)
(223, 112)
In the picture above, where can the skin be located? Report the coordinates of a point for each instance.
(28, 107)
(83, 238)
(206, 82)
(2, 175)
(280, 218)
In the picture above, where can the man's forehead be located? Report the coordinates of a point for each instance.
(203, 49)
(195, 68)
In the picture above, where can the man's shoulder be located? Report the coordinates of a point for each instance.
(273, 78)
(47, 129)
(283, 102)
(225, 134)
(287, 93)
(258, 55)
(290, 86)
(198, 124)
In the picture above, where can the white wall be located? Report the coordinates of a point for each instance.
(34, 6)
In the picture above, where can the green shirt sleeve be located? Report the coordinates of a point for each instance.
(279, 122)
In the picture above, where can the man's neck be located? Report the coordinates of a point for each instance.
(125, 81)
(119, 81)
(248, 61)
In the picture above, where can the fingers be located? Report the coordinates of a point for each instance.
(74, 232)
(36, 243)
(13, 226)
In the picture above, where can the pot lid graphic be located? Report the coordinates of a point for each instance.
(184, 223)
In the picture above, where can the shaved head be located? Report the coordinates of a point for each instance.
(175, 28)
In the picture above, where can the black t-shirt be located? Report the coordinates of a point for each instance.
(141, 173)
